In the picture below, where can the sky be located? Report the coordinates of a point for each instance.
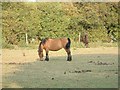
(31, 0)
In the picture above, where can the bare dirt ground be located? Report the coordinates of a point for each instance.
(24, 56)
(20, 67)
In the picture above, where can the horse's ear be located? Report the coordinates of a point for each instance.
(40, 39)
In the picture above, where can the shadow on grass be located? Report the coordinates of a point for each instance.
(84, 71)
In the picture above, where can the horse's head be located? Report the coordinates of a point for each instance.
(40, 51)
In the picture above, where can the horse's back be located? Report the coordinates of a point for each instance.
(56, 44)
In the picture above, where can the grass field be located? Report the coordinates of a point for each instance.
(90, 68)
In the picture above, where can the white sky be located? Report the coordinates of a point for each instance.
(31, 0)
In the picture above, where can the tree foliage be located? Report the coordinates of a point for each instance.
(55, 19)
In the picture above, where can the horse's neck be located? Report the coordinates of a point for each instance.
(40, 47)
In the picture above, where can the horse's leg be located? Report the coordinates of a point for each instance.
(47, 57)
(86, 45)
(69, 58)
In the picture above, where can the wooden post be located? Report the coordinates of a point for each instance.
(26, 38)
(79, 36)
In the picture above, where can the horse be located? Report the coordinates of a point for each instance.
(84, 39)
(49, 44)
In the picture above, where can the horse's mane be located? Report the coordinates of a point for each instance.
(43, 41)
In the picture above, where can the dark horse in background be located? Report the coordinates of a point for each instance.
(84, 39)
(49, 44)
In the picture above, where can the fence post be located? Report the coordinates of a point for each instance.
(26, 38)
(79, 36)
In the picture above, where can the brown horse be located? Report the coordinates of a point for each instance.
(84, 39)
(49, 44)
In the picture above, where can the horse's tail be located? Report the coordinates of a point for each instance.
(68, 44)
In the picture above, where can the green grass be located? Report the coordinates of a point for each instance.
(59, 73)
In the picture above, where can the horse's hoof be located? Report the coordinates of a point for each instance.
(40, 59)
(46, 59)
(69, 59)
